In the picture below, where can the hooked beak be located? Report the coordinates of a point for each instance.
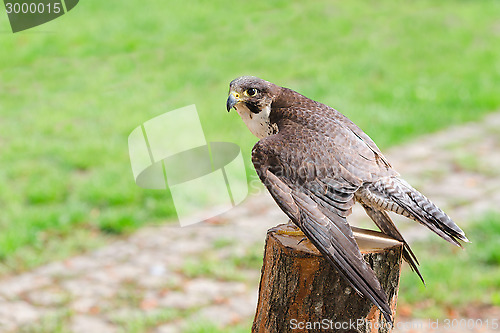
(232, 100)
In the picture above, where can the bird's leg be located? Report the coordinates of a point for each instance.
(290, 229)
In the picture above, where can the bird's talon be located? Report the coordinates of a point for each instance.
(288, 229)
(290, 232)
(303, 239)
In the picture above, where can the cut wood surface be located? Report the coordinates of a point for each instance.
(300, 291)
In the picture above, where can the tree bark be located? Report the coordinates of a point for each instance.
(301, 292)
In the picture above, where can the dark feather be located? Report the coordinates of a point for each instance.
(419, 208)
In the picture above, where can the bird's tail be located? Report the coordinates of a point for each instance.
(385, 224)
(413, 204)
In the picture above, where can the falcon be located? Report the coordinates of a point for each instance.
(316, 163)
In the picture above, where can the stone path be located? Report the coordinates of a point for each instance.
(169, 279)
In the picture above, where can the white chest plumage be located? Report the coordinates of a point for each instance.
(257, 123)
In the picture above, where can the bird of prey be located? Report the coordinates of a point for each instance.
(316, 163)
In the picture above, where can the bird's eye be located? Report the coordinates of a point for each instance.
(252, 92)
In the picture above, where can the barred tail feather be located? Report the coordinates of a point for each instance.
(421, 209)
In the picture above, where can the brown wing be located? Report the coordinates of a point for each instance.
(313, 175)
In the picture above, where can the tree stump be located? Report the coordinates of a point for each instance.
(300, 291)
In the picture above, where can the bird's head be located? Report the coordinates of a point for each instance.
(251, 92)
(252, 98)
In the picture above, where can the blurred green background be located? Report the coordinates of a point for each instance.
(73, 89)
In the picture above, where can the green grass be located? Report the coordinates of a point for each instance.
(206, 326)
(134, 322)
(232, 267)
(55, 322)
(142, 322)
(455, 279)
(222, 242)
(73, 89)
